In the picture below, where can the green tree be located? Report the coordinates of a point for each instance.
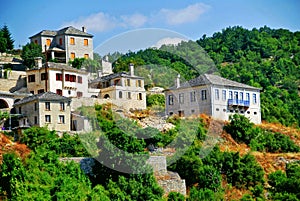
(9, 40)
(29, 52)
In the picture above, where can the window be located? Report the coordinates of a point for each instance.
(36, 41)
(230, 94)
(47, 105)
(140, 97)
(247, 96)
(72, 41)
(181, 98)
(223, 95)
(171, 99)
(48, 118)
(31, 78)
(61, 119)
(193, 96)
(20, 110)
(60, 41)
(254, 99)
(35, 120)
(62, 106)
(48, 42)
(139, 83)
(120, 94)
(86, 56)
(69, 92)
(255, 113)
(129, 95)
(41, 91)
(67, 77)
(58, 76)
(248, 112)
(236, 95)
(217, 109)
(224, 110)
(59, 92)
(79, 94)
(79, 79)
(203, 95)
(85, 42)
(128, 82)
(72, 55)
(241, 95)
(35, 107)
(217, 95)
(192, 111)
(32, 92)
(43, 76)
(72, 78)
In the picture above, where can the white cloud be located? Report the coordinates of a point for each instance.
(135, 20)
(98, 22)
(101, 22)
(169, 41)
(189, 14)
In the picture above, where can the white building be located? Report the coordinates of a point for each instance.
(214, 96)
(58, 78)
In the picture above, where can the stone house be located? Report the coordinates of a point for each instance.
(61, 79)
(214, 96)
(123, 89)
(65, 44)
(45, 109)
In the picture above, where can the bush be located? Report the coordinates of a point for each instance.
(175, 196)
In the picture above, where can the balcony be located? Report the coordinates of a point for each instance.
(238, 102)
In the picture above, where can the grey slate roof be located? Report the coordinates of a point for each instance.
(208, 79)
(46, 96)
(64, 31)
(60, 66)
(114, 75)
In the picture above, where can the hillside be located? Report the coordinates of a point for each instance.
(265, 58)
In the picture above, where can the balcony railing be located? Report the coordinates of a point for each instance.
(238, 102)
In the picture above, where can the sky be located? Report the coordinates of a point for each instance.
(112, 21)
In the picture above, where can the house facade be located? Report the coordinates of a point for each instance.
(45, 109)
(123, 89)
(58, 78)
(214, 96)
(65, 44)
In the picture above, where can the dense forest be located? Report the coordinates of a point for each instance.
(265, 58)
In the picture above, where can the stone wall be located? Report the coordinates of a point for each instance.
(169, 181)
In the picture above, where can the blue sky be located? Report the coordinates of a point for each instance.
(106, 19)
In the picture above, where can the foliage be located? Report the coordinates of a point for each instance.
(6, 40)
(77, 62)
(155, 100)
(67, 145)
(242, 130)
(29, 52)
(286, 186)
(43, 177)
(204, 194)
(175, 196)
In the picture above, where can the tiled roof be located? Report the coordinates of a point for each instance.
(65, 31)
(46, 96)
(207, 79)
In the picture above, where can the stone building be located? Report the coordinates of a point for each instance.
(124, 89)
(45, 109)
(214, 96)
(61, 79)
(65, 44)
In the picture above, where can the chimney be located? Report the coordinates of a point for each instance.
(84, 29)
(131, 69)
(38, 62)
(177, 81)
